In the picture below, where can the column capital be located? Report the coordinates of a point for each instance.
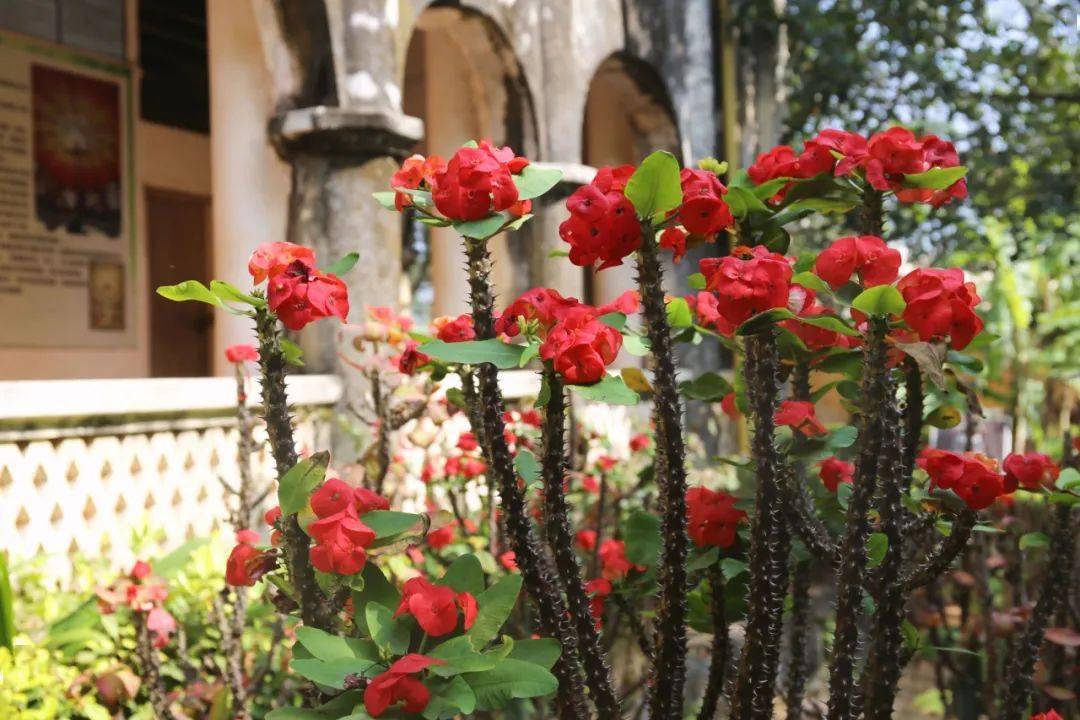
(354, 134)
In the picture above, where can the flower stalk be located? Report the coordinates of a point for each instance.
(669, 664)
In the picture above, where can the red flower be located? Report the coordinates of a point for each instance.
(451, 330)
(436, 607)
(639, 442)
(300, 294)
(341, 540)
(1031, 471)
(868, 255)
(972, 476)
(586, 540)
(411, 359)
(780, 162)
(937, 153)
(477, 181)
(140, 570)
(712, 518)
(674, 239)
(396, 686)
(1050, 714)
(890, 155)
(835, 471)
(467, 442)
(799, 416)
(814, 337)
(508, 560)
(602, 225)
(941, 305)
(747, 282)
(546, 307)
(246, 563)
(272, 258)
(613, 560)
(599, 589)
(729, 407)
(413, 173)
(161, 625)
(580, 347)
(367, 500)
(703, 210)
(438, 539)
(242, 353)
(590, 484)
(334, 496)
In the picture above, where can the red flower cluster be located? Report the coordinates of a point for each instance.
(441, 537)
(340, 537)
(834, 471)
(142, 593)
(580, 347)
(747, 282)
(889, 155)
(546, 307)
(397, 685)
(451, 330)
(972, 476)
(867, 255)
(602, 225)
(1050, 714)
(436, 607)
(639, 442)
(1031, 471)
(814, 337)
(247, 563)
(241, 353)
(416, 172)
(599, 589)
(586, 540)
(703, 210)
(477, 181)
(298, 293)
(941, 305)
(712, 518)
(614, 562)
(799, 415)
(783, 162)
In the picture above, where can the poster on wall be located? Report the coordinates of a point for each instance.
(66, 243)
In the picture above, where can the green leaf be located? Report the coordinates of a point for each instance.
(636, 345)
(189, 290)
(465, 574)
(1034, 540)
(389, 523)
(390, 634)
(708, 387)
(451, 700)
(611, 389)
(300, 481)
(496, 603)
(456, 397)
(678, 313)
(703, 560)
(169, 565)
(342, 265)
(544, 396)
(230, 293)
(655, 188)
(696, 281)
(767, 189)
(879, 300)
(876, 547)
(483, 228)
(944, 417)
(842, 437)
(808, 206)
(539, 651)
(1068, 479)
(843, 494)
(810, 281)
(828, 322)
(325, 646)
(762, 320)
(502, 355)
(615, 320)
(936, 178)
(386, 199)
(460, 657)
(744, 202)
(292, 352)
(533, 181)
(331, 673)
(527, 467)
(911, 635)
(510, 679)
(531, 351)
(376, 588)
(732, 568)
(643, 538)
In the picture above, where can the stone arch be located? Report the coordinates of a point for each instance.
(462, 78)
(628, 114)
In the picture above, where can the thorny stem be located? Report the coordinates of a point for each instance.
(770, 541)
(279, 429)
(800, 633)
(232, 634)
(382, 432)
(151, 668)
(669, 664)
(245, 446)
(942, 556)
(542, 587)
(476, 423)
(799, 506)
(720, 646)
(852, 568)
(601, 502)
(913, 416)
(561, 543)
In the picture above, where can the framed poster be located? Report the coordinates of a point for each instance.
(67, 243)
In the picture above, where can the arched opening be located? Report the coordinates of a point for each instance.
(463, 80)
(627, 116)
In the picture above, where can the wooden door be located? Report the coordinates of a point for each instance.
(178, 236)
